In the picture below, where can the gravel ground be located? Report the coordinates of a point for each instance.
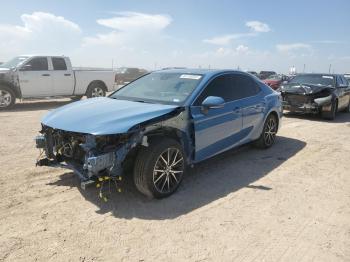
(288, 203)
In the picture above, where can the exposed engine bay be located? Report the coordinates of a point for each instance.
(92, 158)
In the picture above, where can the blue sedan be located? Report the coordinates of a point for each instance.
(157, 125)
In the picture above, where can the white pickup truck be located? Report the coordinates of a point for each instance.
(50, 76)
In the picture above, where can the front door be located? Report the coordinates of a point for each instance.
(35, 78)
(218, 129)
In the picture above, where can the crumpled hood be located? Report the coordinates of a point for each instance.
(304, 89)
(103, 115)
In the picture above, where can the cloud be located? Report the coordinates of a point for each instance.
(292, 47)
(129, 28)
(224, 40)
(258, 26)
(132, 21)
(40, 32)
(227, 39)
(242, 49)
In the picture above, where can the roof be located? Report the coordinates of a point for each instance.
(196, 71)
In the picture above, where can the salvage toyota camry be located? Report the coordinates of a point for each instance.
(158, 125)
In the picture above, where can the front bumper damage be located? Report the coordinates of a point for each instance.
(303, 104)
(82, 154)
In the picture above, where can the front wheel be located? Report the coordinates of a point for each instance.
(331, 115)
(7, 97)
(159, 168)
(96, 90)
(268, 135)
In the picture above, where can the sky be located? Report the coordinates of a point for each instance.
(311, 35)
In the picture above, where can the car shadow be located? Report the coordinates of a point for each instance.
(206, 182)
(37, 105)
(341, 117)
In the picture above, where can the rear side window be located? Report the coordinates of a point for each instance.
(230, 87)
(245, 86)
(59, 63)
(38, 64)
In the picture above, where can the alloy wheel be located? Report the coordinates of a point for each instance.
(270, 131)
(5, 98)
(97, 92)
(168, 170)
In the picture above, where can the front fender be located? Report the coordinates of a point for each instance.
(15, 88)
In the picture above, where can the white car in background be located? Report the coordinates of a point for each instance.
(50, 76)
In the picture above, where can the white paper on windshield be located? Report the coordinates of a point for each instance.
(193, 77)
(330, 77)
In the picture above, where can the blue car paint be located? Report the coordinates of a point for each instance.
(202, 135)
(103, 116)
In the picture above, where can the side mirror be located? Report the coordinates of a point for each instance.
(213, 102)
(26, 67)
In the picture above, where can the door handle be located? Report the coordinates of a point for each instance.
(45, 74)
(236, 109)
(67, 74)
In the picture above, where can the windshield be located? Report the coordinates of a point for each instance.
(14, 62)
(162, 87)
(324, 80)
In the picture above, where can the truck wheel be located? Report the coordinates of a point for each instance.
(159, 168)
(7, 97)
(268, 135)
(96, 90)
(331, 115)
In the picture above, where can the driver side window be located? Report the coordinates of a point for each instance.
(37, 64)
(221, 86)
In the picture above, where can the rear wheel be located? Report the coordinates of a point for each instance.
(159, 168)
(7, 97)
(330, 115)
(268, 136)
(96, 90)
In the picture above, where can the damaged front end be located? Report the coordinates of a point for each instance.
(93, 158)
(306, 99)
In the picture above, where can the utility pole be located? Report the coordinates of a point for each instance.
(304, 69)
(330, 66)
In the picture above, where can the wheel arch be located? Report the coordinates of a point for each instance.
(98, 82)
(14, 88)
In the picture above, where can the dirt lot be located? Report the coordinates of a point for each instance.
(288, 203)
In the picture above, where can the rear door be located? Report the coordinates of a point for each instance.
(63, 78)
(35, 78)
(252, 103)
(218, 129)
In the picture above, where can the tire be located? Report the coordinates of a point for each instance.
(331, 115)
(96, 90)
(268, 135)
(7, 97)
(153, 176)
